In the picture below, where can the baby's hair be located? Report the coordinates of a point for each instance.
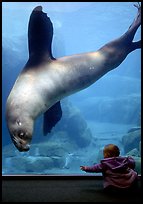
(111, 150)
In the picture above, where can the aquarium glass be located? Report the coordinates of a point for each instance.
(106, 112)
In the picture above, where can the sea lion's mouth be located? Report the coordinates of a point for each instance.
(20, 144)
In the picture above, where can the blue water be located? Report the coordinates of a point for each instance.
(102, 113)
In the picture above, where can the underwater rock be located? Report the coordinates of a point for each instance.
(38, 159)
(122, 109)
(137, 164)
(58, 161)
(39, 164)
(134, 129)
(52, 148)
(41, 157)
(29, 164)
(131, 140)
(74, 124)
(133, 152)
(78, 131)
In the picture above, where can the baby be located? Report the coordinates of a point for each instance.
(118, 172)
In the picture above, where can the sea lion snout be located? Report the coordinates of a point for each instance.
(20, 127)
(21, 143)
(21, 137)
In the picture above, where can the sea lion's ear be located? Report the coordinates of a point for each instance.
(51, 117)
(40, 34)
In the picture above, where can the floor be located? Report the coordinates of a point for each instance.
(60, 189)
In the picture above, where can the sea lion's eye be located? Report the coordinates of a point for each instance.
(21, 135)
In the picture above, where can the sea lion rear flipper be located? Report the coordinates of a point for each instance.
(40, 34)
(51, 117)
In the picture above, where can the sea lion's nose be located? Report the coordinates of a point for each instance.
(24, 148)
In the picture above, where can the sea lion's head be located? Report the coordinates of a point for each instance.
(20, 128)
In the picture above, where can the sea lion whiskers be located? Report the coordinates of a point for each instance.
(20, 143)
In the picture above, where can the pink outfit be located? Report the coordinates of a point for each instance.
(117, 171)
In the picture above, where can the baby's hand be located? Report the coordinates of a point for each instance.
(82, 168)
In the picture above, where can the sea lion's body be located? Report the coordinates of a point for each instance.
(44, 83)
(52, 82)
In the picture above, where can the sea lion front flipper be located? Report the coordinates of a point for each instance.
(40, 34)
(51, 117)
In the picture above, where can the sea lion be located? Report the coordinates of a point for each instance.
(44, 81)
